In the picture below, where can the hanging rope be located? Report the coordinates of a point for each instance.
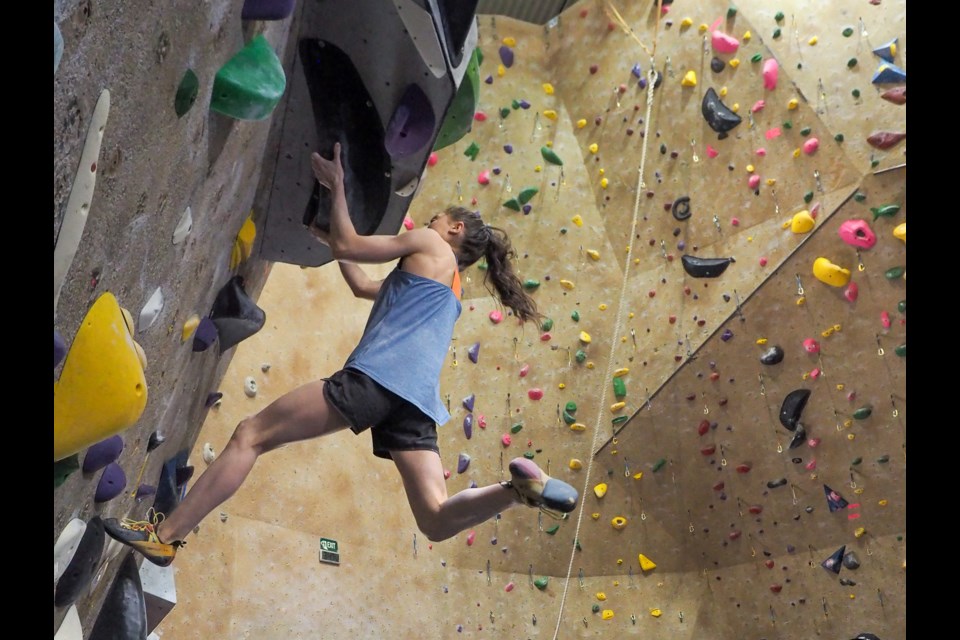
(641, 186)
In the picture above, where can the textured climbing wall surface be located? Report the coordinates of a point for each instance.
(708, 483)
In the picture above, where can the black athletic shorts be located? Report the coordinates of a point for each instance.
(395, 424)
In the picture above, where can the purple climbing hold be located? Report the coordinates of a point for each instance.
(488, 79)
(412, 124)
(636, 70)
(267, 9)
(145, 490)
(496, 171)
(468, 426)
(205, 335)
(474, 352)
(59, 349)
(473, 484)
(111, 484)
(463, 462)
(468, 402)
(508, 148)
(524, 104)
(506, 56)
(103, 453)
(212, 399)
(726, 335)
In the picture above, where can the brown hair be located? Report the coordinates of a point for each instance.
(492, 243)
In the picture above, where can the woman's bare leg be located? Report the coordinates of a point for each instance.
(438, 516)
(298, 415)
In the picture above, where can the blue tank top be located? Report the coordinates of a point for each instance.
(406, 339)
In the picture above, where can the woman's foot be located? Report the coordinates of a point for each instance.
(142, 536)
(536, 489)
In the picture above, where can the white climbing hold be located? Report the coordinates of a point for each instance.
(183, 227)
(70, 628)
(209, 455)
(265, 367)
(250, 386)
(66, 545)
(150, 311)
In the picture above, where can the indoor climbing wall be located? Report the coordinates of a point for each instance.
(721, 375)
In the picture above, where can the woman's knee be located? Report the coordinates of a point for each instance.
(247, 435)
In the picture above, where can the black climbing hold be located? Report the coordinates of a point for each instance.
(717, 65)
(834, 500)
(799, 436)
(866, 636)
(156, 439)
(169, 488)
(79, 571)
(834, 562)
(705, 267)
(720, 118)
(124, 612)
(773, 484)
(773, 355)
(344, 112)
(792, 407)
(235, 314)
(681, 208)
(212, 399)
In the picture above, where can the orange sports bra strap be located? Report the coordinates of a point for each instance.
(457, 289)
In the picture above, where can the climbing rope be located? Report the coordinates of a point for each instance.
(641, 186)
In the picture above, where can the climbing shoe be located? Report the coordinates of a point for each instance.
(142, 536)
(536, 489)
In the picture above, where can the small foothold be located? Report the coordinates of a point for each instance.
(463, 462)
(472, 151)
(250, 387)
(209, 455)
(151, 310)
(600, 490)
(541, 583)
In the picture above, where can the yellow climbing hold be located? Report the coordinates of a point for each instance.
(602, 306)
(584, 336)
(601, 171)
(689, 79)
(561, 386)
(604, 183)
(537, 169)
(796, 152)
(735, 62)
(551, 114)
(567, 284)
(617, 406)
(770, 181)
(595, 515)
(883, 502)
(631, 314)
(646, 564)
(590, 365)
(548, 88)
(735, 107)
(594, 254)
(703, 27)
(656, 613)
(793, 104)
(859, 532)
(510, 41)
(594, 147)
(601, 596)
(577, 220)
(751, 168)
(600, 490)
(189, 326)
(802, 222)
(577, 426)
(581, 123)
(243, 245)
(900, 231)
(746, 36)
(812, 41)
(638, 475)
(618, 523)
(607, 614)
(102, 389)
(686, 23)
(575, 464)
(622, 371)
(829, 273)
(761, 341)
(501, 70)
(723, 91)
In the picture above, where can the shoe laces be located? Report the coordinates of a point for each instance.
(153, 520)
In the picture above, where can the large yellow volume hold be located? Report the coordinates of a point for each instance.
(102, 389)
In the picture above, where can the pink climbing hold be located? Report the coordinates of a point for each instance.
(496, 317)
(479, 116)
(722, 43)
(535, 393)
(811, 145)
(735, 221)
(815, 210)
(432, 160)
(763, 261)
(753, 181)
(771, 70)
(815, 373)
(772, 133)
(711, 152)
(857, 233)
(851, 292)
(761, 152)
(524, 370)
(811, 346)
(758, 106)
(505, 439)
(484, 177)
(408, 223)
(851, 396)
(885, 319)
(471, 537)
(813, 442)
(481, 422)
(446, 474)
(810, 466)
(545, 337)
(509, 587)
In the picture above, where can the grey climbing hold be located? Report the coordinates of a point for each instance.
(235, 314)
(468, 402)
(851, 561)
(773, 355)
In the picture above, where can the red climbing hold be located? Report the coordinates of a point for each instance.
(743, 468)
(703, 427)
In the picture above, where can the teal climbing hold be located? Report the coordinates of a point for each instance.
(550, 156)
(250, 84)
(541, 583)
(526, 194)
(659, 464)
(512, 203)
(186, 92)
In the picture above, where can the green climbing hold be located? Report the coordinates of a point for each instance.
(805, 131)
(552, 530)
(581, 355)
(595, 608)
(757, 57)
(563, 231)
(529, 284)
(458, 120)
(571, 407)
(731, 11)
(526, 194)
(186, 92)
(856, 461)
(547, 324)
(663, 148)
(863, 413)
(576, 544)
(848, 32)
(512, 203)
(659, 464)
(482, 265)
(619, 420)
(887, 210)
(516, 428)
(472, 150)
(250, 84)
(901, 350)
(619, 388)
(477, 52)
(541, 583)
(779, 16)
(851, 63)
(808, 196)
(515, 104)
(838, 137)
(855, 93)
(568, 417)
(776, 32)
(894, 272)
(550, 156)
(874, 163)
(528, 455)
(883, 459)
(504, 112)
(63, 468)
(575, 316)
(902, 306)
(859, 196)
(788, 124)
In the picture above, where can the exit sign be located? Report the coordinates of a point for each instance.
(329, 551)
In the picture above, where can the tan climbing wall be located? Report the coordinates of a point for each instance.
(722, 571)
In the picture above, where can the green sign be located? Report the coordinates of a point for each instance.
(329, 551)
